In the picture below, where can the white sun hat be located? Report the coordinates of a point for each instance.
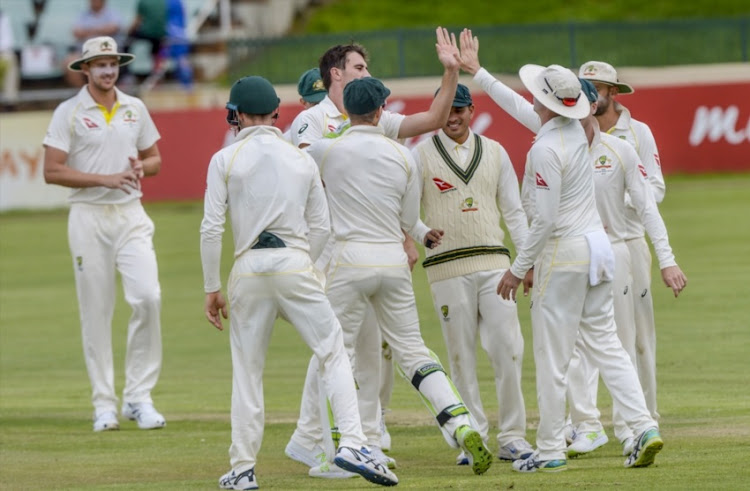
(557, 88)
(98, 47)
(598, 71)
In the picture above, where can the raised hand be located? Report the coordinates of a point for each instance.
(447, 49)
(469, 52)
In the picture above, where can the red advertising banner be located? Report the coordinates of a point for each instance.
(698, 129)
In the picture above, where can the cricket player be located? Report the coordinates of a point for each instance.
(280, 223)
(615, 119)
(573, 266)
(619, 177)
(338, 66)
(101, 143)
(373, 194)
(468, 185)
(311, 92)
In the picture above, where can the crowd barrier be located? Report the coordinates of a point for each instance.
(698, 129)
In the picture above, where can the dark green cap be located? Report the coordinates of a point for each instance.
(310, 86)
(589, 90)
(364, 95)
(462, 97)
(253, 95)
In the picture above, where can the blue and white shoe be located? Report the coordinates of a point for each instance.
(243, 480)
(363, 463)
(515, 450)
(462, 459)
(648, 444)
(533, 464)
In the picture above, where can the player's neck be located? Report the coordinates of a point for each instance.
(336, 94)
(106, 98)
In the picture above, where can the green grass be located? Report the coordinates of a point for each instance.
(45, 428)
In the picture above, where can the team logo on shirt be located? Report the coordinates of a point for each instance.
(443, 186)
(603, 163)
(540, 182)
(469, 205)
(89, 123)
(445, 311)
(130, 117)
(643, 170)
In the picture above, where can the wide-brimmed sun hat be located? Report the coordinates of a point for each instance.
(557, 88)
(598, 71)
(98, 47)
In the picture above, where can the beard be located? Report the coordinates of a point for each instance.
(602, 104)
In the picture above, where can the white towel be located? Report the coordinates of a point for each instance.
(602, 267)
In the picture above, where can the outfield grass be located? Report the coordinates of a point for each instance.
(45, 414)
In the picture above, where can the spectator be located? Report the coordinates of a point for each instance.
(98, 20)
(9, 75)
(178, 45)
(150, 24)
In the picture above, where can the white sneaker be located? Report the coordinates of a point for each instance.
(243, 480)
(627, 446)
(328, 470)
(364, 464)
(311, 458)
(106, 422)
(462, 459)
(515, 450)
(377, 453)
(385, 437)
(587, 442)
(144, 414)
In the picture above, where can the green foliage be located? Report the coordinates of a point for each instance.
(45, 412)
(341, 16)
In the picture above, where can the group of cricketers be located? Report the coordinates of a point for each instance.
(325, 221)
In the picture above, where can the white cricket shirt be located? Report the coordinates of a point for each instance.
(99, 142)
(269, 185)
(372, 187)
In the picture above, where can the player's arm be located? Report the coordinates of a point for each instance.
(649, 156)
(150, 159)
(436, 116)
(306, 129)
(410, 221)
(211, 230)
(509, 100)
(57, 171)
(509, 200)
(317, 215)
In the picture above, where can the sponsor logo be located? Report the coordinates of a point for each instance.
(625, 292)
(656, 159)
(643, 294)
(443, 186)
(79, 263)
(643, 170)
(89, 124)
(445, 311)
(302, 129)
(468, 205)
(540, 182)
(717, 123)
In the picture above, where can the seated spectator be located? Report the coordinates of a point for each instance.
(150, 24)
(9, 75)
(98, 20)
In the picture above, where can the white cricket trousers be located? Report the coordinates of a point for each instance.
(265, 284)
(583, 377)
(105, 239)
(469, 306)
(566, 310)
(377, 274)
(645, 325)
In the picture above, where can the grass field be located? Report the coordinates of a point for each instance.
(45, 414)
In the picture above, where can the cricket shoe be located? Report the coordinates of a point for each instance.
(627, 446)
(106, 422)
(144, 414)
(648, 444)
(470, 441)
(303, 455)
(462, 459)
(328, 470)
(377, 452)
(533, 464)
(243, 480)
(515, 450)
(587, 442)
(363, 463)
